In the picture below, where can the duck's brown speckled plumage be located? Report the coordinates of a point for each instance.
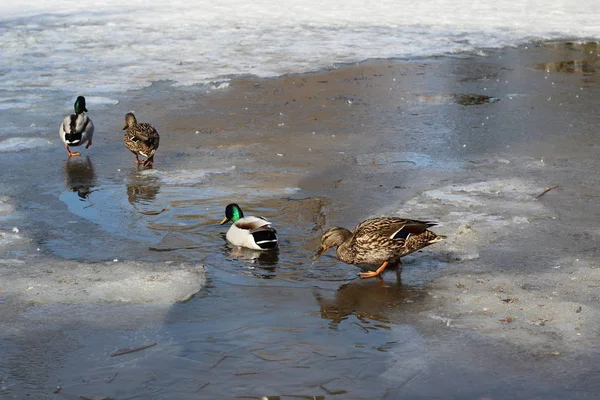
(379, 241)
(141, 139)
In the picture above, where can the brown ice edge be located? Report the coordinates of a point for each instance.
(470, 141)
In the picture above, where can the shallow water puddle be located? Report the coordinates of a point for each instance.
(584, 67)
(255, 341)
(368, 301)
(586, 63)
(175, 222)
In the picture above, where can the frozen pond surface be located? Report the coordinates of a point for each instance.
(100, 255)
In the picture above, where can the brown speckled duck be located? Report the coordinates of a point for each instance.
(378, 241)
(141, 139)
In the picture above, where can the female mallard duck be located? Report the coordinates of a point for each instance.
(140, 139)
(378, 241)
(77, 129)
(251, 232)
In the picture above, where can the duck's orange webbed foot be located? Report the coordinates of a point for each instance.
(72, 154)
(371, 274)
(368, 274)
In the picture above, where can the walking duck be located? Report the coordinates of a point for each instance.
(141, 139)
(380, 240)
(77, 129)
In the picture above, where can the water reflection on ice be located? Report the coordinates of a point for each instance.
(368, 301)
(261, 259)
(80, 176)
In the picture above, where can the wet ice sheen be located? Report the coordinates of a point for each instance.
(15, 144)
(186, 177)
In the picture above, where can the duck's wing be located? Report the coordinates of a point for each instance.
(138, 135)
(251, 223)
(79, 123)
(392, 227)
(145, 132)
(412, 227)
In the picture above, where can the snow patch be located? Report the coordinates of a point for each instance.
(110, 282)
(92, 101)
(241, 38)
(9, 238)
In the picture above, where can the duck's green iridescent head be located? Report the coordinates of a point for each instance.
(233, 213)
(80, 105)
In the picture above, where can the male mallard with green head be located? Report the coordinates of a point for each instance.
(250, 232)
(77, 129)
(378, 241)
(141, 139)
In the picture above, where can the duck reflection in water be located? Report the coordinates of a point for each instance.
(80, 176)
(263, 259)
(368, 301)
(142, 189)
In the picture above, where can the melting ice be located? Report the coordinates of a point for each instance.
(111, 47)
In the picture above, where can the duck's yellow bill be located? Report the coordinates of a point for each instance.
(223, 221)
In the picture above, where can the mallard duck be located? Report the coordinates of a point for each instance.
(378, 241)
(250, 232)
(140, 139)
(77, 129)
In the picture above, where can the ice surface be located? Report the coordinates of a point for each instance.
(121, 281)
(10, 238)
(186, 177)
(20, 143)
(23, 101)
(94, 101)
(417, 160)
(481, 212)
(5, 206)
(116, 46)
(9, 233)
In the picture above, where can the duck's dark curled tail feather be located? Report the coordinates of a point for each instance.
(265, 237)
(73, 139)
